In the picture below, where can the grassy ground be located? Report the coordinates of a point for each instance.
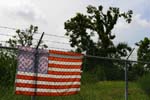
(97, 91)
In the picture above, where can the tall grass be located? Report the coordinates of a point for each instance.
(144, 83)
(106, 90)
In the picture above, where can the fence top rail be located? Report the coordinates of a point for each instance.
(116, 59)
(9, 48)
(91, 56)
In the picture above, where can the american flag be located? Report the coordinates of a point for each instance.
(58, 73)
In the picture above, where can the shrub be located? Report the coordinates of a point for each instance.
(8, 65)
(144, 83)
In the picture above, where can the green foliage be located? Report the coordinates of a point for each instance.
(143, 54)
(113, 72)
(88, 78)
(144, 83)
(99, 73)
(144, 49)
(8, 65)
(92, 32)
(25, 38)
(96, 75)
(122, 49)
(104, 69)
(135, 71)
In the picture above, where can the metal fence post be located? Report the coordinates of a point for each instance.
(126, 75)
(36, 65)
(126, 81)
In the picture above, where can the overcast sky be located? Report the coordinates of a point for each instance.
(50, 16)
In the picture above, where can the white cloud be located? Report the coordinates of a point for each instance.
(137, 22)
(29, 12)
(141, 22)
(133, 32)
(23, 9)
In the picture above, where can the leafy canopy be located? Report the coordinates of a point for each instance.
(144, 49)
(92, 32)
(143, 53)
(25, 38)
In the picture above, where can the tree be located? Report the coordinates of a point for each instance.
(143, 69)
(144, 49)
(92, 32)
(143, 54)
(25, 38)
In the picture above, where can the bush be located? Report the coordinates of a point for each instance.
(88, 78)
(93, 76)
(99, 73)
(8, 65)
(144, 83)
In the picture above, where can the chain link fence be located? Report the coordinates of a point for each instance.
(102, 79)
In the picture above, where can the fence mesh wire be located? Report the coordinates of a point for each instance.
(102, 79)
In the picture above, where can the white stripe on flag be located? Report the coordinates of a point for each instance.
(45, 82)
(47, 90)
(48, 75)
(64, 63)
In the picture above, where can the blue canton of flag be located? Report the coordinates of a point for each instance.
(26, 60)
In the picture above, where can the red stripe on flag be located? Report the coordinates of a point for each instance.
(46, 86)
(64, 59)
(46, 94)
(63, 73)
(64, 53)
(48, 79)
(64, 66)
